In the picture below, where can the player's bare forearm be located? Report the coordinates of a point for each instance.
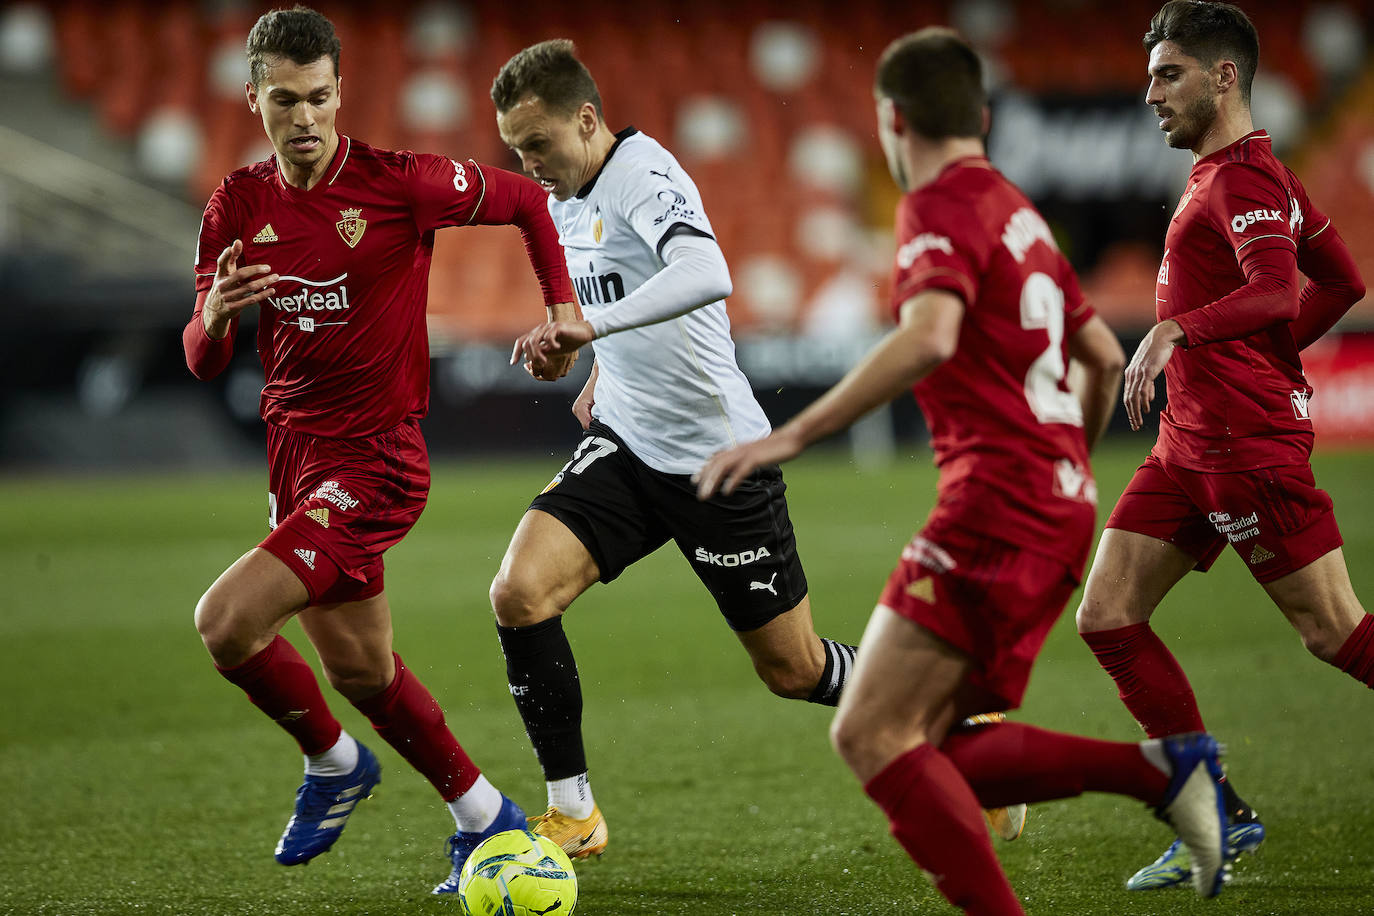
(1098, 397)
(1099, 362)
(928, 335)
(1138, 388)
(562, 311)
(899, 361)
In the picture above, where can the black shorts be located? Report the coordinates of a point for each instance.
(741, 546)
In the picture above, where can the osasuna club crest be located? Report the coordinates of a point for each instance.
(352, 226)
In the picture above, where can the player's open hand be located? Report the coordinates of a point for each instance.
(550, 350)
(1154, 351)
(725, 470)
(235, 289)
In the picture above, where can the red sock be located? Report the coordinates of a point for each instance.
(408, 718)
(1148, 678)
(1010, 762)
(936, 819)
(283, 685)
(1356, 656)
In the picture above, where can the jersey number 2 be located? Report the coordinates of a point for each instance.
(1042, 309)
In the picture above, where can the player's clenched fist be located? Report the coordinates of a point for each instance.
(235, 288)
(550, 350)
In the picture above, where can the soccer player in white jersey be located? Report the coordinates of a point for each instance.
(664, 394)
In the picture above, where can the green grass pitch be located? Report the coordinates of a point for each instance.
(137, 781)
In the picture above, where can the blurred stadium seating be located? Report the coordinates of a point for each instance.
(768, 104)
(120, 116)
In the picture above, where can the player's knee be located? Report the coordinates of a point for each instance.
(844, 738)
(1324, 642)
(216, 623)
(1094, 614)
(857, 743)
(357, 680)
(517, 600)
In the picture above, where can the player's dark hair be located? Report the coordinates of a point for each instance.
(935, 79)
(300, 35)
(549, 71)
(1209, 32)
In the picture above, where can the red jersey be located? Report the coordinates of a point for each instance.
(343, 342)
(1237, 395)
(1007, 432)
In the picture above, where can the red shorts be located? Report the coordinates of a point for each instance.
(1275, 518)
(336, 505)
(993, 601)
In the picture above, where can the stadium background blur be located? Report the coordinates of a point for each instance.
(118, 119)
(137, 782)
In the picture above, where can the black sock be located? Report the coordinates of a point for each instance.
(1236, 807)
(839, 664)
(544, 682)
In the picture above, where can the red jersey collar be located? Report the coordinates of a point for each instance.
(974, 161)
(1259, 134)
(335, 167)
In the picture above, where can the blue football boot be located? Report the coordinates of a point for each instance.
(461, 845)
(1173, 867)
(323, 805)
(1195, 807)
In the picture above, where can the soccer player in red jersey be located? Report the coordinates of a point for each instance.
(332, 238)
(1231, 463)
(989, 314)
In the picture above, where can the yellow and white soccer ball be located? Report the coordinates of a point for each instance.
(518, 873)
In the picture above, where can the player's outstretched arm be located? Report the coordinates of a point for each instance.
(1097, 353)
(1335, 285)
(514, 200)
(694, 274)
(208, 338)
(927, 336)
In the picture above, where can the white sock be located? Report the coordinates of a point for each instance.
(339, 760)
(476, 809)
(1153, 751)
(572, 796)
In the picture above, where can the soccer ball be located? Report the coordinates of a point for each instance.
(518, 873)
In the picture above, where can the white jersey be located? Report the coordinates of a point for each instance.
(672, 390)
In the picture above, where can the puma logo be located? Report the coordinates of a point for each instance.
(761, 586)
